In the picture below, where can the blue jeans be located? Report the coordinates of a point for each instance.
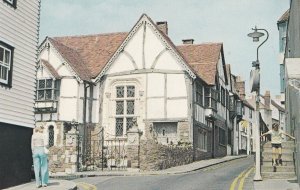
(40, 164)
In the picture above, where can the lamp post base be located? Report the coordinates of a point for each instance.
(257, 177)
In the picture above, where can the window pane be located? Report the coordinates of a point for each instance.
(7, 58)
(119, 126)
(129, 123)
(3, 73)
(51, 136)
(56, 94)
(130, 107)
(41, 84)
(41, 95)
(119, 107)
(130, 91)
(120, 91)
(48, 94)
(49, 83)
(1, 54)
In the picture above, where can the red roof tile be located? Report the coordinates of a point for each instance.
(93, 50)
(203, 58)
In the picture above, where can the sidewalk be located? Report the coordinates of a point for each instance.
(277, 184)
(54, 184)
(136, 172)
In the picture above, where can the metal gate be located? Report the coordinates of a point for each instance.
(97, 153)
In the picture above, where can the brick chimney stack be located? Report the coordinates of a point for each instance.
(267, 98)
(163, 26)
(240, 87)
(188, 41)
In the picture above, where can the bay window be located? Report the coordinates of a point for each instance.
(47, 89)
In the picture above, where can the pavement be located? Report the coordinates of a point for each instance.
(61, 181)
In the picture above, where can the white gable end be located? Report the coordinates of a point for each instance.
(153, 46)
(145, 48)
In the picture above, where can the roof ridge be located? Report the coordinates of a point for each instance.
(89, 35)
(204, 43)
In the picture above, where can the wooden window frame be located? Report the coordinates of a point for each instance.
(12, 3)
(10, 49)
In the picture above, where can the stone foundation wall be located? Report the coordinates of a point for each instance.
(154, 156)
(62, 159)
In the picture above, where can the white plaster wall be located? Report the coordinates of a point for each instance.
(135, 47)
(153, 46)
(155, 85)
(176, 86)
(122, 63)
(177, 108)
(156, 108)
(68, 88)
(167, 62)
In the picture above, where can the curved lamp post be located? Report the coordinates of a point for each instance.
(255, 87)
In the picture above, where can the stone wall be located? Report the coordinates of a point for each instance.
(154, 156)
(64, 159)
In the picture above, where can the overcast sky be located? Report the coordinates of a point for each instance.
(227, 21)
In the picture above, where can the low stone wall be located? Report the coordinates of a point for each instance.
(62, 159)
(154, 156)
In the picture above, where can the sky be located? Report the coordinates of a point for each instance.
(226, 21)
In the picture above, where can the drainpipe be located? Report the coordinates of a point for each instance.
(84, 121)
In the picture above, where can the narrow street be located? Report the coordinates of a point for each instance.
(218, 177)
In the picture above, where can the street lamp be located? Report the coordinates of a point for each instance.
(255, 87)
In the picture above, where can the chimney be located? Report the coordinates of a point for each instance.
(188, 41)
(163, 26)
(240, 87)
(267, 98)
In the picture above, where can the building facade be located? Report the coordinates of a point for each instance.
(174, 95)
(292, 76)
(18, 49)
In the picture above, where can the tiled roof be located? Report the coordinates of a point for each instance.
(245, 102)
(50, 69)
(277, 106)
(284, 17)
(203, 58)
(73, 58)
(93, 51)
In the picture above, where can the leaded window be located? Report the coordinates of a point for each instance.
(47, 89)
(51, 136)
(125, 108)
(211, 97)
(6, 61)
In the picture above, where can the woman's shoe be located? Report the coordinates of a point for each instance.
(45, 185)
(38, 186)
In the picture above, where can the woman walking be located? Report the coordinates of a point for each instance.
(39, 143)
(276, 140)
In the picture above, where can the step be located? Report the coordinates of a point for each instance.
(284, 163)
(278, 175)
(279, 168)
(284, 157)
(288, 144)
(284, 150)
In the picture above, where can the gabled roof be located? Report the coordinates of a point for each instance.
(94, 50)
(73, 59)
(50, 68)
(245, 102)
(164, 38)
(284, 17)
(91, 55)
(277, 106)
(203, 58)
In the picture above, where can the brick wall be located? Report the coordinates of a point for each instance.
(155, 156)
